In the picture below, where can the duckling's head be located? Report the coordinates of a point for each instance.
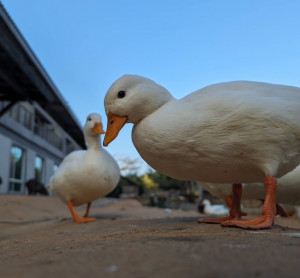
(206, 202)
(130, 99)
(93, 125)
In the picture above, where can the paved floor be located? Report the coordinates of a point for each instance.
(39, 239)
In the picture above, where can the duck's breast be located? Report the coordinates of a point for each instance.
(92, 176)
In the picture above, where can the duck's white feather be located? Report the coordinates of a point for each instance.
(231, 132)
(86, 175)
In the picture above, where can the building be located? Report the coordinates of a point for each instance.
(37, 128)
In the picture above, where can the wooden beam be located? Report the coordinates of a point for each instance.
(19, 57)
(11, 82)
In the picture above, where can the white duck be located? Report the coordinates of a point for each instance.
(86, 175)
(235, 132)
(210, 209)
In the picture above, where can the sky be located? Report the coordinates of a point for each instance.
(85, 45)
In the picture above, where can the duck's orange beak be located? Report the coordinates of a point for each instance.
(114, 125)
(98, 129)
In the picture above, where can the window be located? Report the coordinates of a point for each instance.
(39, 168)
(16, 183)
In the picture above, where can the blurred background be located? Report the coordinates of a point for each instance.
(58, 59)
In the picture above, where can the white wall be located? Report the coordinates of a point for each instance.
(5, 146)
(48, 170)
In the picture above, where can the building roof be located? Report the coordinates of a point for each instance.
(23, 78)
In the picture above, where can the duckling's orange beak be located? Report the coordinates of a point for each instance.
(114, 125)
(98, 129)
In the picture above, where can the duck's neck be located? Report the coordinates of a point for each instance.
(93, 143)
(159, 98)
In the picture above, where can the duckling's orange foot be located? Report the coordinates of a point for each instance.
(263, 222)
(84, 219)
(76, 217)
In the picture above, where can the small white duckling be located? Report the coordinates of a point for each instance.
(210, 209)
(86, 175)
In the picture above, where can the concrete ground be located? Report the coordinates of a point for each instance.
(38, 238)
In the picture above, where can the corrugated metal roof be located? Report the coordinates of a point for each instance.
(22, 77)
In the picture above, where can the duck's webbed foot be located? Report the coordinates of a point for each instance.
(268, 211)
(262, 222)
(214, 220)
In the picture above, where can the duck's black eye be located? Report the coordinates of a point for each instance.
(89, 119)
(121, 94)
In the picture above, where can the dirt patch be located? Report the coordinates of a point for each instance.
(38, 238)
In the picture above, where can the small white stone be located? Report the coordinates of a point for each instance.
(112, 268)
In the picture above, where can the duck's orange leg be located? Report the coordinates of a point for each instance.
(228, 200)
(268, 211)
(76, 217)
(235, 207)
(88, 206)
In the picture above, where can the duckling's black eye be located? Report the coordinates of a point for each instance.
(89, 119)
(121, 94)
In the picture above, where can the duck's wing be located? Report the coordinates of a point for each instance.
(67, 165)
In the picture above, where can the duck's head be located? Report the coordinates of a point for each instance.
(93, 125)
(130, 99)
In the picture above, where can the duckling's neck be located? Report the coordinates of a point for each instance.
(93, 143)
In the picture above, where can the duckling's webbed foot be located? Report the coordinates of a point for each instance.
(235, 212)
(76, 217)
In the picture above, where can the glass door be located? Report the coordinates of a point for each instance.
(16, 179)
